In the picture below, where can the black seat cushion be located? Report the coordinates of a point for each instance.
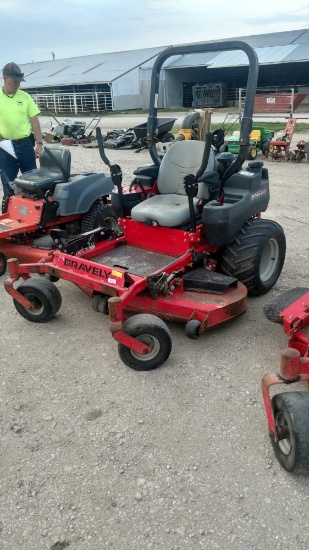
(55, 167)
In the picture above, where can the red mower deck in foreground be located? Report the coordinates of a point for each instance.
(288, 412)
(121, 278)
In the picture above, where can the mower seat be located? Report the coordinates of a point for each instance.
(256, 135)
(49, 174)
(171, 207)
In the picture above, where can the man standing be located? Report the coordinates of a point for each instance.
(18, 116)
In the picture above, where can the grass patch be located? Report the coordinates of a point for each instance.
(275, 126)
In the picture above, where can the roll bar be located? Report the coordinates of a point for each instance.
(246, 122)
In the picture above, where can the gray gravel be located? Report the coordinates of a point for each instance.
(94, 455)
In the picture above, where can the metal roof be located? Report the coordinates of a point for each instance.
(289, 46)
(193, 59)
(275, 54)
(88, 69)
(276, 38)
(300, 53)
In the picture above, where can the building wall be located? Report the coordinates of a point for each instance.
(126, 91)
(132, 91)
(304, 90)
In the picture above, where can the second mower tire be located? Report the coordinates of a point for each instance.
(99, 215)
(291, 411)
(256, 256)
(43, 295)
(153, 332)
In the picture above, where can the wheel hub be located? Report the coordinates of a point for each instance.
(150, 341)
(37, 304)
(269, 260)
(283, 432)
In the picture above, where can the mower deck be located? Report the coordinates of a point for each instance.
(122, 277)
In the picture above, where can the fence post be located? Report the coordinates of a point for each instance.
(75, 103)
(55, 104)
(239, 101)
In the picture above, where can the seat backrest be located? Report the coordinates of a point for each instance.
(183, 158)
(50, 163)
(256, 134)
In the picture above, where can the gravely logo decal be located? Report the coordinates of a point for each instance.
(92, 270)
(259, 194)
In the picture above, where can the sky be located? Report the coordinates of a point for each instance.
(30, 30)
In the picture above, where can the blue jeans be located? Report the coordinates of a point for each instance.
(25, 161)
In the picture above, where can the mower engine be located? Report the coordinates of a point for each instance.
(300, 153)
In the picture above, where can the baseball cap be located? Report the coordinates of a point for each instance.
(14, 71)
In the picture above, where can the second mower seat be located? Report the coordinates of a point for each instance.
(55, 167)
(171, 207)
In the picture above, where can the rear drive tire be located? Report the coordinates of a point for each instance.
(99, 215)
(291, 412)
(152, 331)
(3, 264)
(44, 295)
(256, 256)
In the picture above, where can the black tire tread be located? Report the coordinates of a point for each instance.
(49, 290)
(297, 405)
(89, 220)
(192, 328)
(238, 257)
(136, 325)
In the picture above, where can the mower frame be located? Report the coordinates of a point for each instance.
(160, 291)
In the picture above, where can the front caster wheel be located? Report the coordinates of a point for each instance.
(43, 295)
(291, 412)
(193, 329)
(99, 303)
(51, 278)
(152, 331)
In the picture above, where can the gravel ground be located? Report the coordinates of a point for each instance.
(94, 455)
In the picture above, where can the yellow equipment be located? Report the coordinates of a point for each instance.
(195, 125)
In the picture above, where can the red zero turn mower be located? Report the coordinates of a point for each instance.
(288, 412)
(189, 253)
(50, 196)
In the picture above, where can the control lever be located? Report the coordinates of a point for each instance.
(191, 190)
